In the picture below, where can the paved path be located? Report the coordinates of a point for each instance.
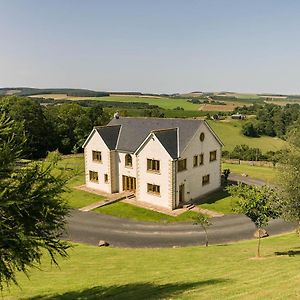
(90, 227)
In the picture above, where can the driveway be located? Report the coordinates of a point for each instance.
(90, 227)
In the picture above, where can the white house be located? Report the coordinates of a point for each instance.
(165, 162)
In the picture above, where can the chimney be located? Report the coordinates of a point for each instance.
(116, 115)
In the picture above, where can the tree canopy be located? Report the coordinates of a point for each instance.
(32, 212)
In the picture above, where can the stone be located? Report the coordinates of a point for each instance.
(103, 244)
(262, 233)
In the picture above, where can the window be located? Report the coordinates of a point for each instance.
(152, 188)
(205, 180)
(97, 156)
(181, 165)
(201, 159)
(212, 155)
(153, 165)
(93, 176)
(128, 160)
(105, 178)
(202, 136)
(195, 161)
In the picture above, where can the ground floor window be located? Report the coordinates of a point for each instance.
(106, 178)
(205, 179)
(153, 188)
(93, 176)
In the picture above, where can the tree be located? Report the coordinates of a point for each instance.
(289, 180)
(256, 203)
(28, 114)
(203, 221)
(226, 173)
(32, 212)
(249, 129)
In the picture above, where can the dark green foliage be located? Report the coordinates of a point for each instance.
(248, 129)
(244, 152)
(271, 120)
(32, 212)
(63, 127)
(31, 122)
(226, 173)
(289, 202)
(154, 113)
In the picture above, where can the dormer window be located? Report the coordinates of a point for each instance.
(128, 160)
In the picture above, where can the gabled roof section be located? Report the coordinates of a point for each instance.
(110, 135)
(135, 131)
(168, 138)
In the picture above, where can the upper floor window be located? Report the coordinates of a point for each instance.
(212, 155)
(153, 165)
(181, 165)
(205, 179)
(97, 156)
(153, 188)
(93, 176)
(195, 161)
(128, 160)
(201, 159)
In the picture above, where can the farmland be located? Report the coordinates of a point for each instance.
(230, 133)
(215, 272)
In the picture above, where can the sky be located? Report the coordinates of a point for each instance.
(154, 46)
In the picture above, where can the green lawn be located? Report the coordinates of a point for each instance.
(230, 134)
(74, 167)
(220, 202)
(267, 174)
(124, 210)
(216, 272)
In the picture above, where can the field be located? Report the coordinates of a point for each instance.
(267, 174)
(163, 102)
(216, 272)
(229, 132)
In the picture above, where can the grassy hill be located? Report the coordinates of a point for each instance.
(230, 133)
(216, 272)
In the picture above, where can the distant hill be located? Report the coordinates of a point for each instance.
(25, 91)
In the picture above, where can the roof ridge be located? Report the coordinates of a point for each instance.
(164, 129)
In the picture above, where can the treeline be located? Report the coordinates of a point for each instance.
(24, 91)
(244, 152)
(64, 127)
(91, 103)
(272, 120)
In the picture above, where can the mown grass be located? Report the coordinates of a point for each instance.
(73, 167)
(268, 174)
(215, 272)
(128, 211)
(229, 131)
(220, 202)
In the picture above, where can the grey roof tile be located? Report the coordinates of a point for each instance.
(109, 135)
(135, 130)
(168, 138)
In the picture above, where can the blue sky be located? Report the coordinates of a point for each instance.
(151, 46)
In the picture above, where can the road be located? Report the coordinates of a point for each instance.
(90, 227)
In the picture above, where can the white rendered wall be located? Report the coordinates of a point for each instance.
(192, 177)
(96, 143)
(154, 150)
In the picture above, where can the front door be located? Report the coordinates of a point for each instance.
(181, 194)
(129, 183)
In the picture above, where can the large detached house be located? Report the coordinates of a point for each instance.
(165, 162)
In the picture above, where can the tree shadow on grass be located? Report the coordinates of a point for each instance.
(288, 253)
(136, 291)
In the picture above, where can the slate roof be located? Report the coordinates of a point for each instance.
(134, 131)
(168, 138)
(109, 135)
